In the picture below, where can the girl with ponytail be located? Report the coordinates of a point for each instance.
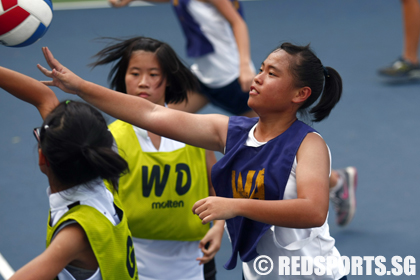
(272, 184)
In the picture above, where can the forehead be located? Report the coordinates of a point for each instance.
(144, 59)
(278, 59)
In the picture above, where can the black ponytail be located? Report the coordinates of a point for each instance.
(325, 82)
(331, 94)
(78, 145)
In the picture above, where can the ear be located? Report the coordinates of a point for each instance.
(42, 160)
(302, 94)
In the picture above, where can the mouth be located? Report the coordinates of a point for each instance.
(253, 91)
(143, 94)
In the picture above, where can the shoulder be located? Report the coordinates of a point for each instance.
(118, 124)
(313, 145)
(314, 140)
(72, 239)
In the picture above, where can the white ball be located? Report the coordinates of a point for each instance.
(23, 22)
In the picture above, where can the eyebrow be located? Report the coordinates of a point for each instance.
(271, 67)
(148, 69)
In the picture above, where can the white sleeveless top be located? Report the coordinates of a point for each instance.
(282, 241)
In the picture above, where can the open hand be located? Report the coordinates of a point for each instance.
(62, 77)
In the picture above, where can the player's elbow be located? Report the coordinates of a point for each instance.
(319, 217)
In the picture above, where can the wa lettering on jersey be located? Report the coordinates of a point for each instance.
(252, 188)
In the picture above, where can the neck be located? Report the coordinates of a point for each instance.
(156, 139)
(55, 185)
(269, 128)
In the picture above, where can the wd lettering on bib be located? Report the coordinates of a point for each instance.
(161, 188)
(182, 185)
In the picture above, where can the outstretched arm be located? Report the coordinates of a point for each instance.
(28, 90)
(205, 131)
(70, 245)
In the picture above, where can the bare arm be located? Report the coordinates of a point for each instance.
(205, 131)
(69, 245)
(310, 207)
(215, 234)
(28, 90)
(240, 31)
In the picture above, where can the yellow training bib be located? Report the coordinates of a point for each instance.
(159, 191)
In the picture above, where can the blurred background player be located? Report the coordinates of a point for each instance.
(407, 66)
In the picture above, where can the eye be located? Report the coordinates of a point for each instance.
(260, 70)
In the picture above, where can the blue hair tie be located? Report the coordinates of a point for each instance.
(326, 73)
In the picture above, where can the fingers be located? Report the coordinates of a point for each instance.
(200, 209)
(52, 62)
(205, 218)
(204, 259)
(197, 205)
(44, 71)
(46, 53)
(208, 255)
(48, 83)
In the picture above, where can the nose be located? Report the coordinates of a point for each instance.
(258, 78)
(143, 81)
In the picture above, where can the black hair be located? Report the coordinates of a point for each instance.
(77, 144)
(307, 70)
(179, 78)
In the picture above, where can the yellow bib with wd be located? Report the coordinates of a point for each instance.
(161, 188)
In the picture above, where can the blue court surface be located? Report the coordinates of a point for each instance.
(375, 127)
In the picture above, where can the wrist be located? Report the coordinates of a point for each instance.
(219, 223)
(82, 88)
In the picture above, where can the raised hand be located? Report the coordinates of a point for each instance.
(61, 77)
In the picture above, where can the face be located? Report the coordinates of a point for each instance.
(273, 86)
(144, 77)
